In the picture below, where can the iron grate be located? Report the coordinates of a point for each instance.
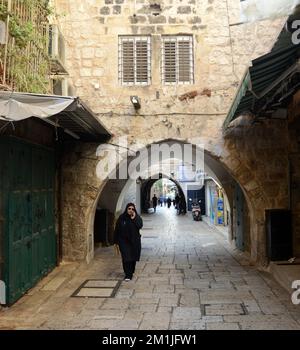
(94, 288)
(228, 309)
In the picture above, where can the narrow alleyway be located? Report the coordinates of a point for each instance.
(188, 278)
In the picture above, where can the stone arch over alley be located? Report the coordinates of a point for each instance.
(226, 167)
(147, 185)
(222, 52)
(130, 76)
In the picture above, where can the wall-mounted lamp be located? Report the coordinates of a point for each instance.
(138, 181)
(135, 101)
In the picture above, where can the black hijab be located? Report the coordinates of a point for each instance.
(129, 205)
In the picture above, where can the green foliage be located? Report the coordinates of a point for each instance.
(21, 32)
(3, 12)
(25, 73)
(25, 76)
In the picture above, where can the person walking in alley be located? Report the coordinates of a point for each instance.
(127, 237)
(169, 202)
(154, 202)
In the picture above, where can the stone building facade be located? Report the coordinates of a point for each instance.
(222, 50)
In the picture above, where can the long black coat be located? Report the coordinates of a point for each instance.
(127, 236)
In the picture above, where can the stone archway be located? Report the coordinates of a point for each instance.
(227, 159)
(148, 183)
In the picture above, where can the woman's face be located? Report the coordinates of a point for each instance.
(130, 210)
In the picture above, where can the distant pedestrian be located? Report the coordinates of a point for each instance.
(177, 200)
(127, 237)
(169, 202)
(154, 202)
(182, 206)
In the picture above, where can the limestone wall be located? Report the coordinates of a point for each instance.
(222, 52)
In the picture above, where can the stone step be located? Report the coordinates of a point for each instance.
(285, 274)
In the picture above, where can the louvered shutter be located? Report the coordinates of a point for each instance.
(128, 61)
(177, 60)
(169, 61)
(142, 61)
(134, 60)
(184, 61)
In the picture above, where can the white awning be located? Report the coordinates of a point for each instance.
(19, 106)
(68, 113)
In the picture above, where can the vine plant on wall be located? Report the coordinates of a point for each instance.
(25, 61)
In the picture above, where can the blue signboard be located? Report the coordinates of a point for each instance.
(220, 211)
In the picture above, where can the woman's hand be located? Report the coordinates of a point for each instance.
(133, 215)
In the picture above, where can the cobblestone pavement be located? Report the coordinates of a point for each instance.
(189, 278)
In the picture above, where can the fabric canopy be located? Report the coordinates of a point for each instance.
(267, 73)
(19, 106)
(65, 112)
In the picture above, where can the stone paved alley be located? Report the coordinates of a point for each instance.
(188, 278)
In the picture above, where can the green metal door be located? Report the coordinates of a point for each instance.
(29, 234)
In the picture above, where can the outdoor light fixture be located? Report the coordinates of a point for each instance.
(135, 101)
(138, 181)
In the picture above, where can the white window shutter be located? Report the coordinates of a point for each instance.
(170, 61)
(142, 61)
(128, 61)
(184, 61)
(134, 60)
(177, 60)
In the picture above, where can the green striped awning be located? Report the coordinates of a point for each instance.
(266, 73)
(242, 90)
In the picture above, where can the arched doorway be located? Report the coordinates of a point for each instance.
(116, 192)
(79, 206)
(146, 190)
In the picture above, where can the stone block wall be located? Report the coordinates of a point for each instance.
(258, 156)
(223, 50)
(294, 170)
(222, 53)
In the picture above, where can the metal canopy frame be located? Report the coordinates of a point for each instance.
(267, 77)
(76, 120)
(81, 122)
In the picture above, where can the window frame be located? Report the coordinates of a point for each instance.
(177, 39)
(134, 39)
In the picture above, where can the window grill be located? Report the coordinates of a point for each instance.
(177, 60)
(134, 60)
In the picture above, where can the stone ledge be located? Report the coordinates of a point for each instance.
(285, 274)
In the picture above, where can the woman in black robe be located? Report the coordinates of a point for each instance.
(127, 237)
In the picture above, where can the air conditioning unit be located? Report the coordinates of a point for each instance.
(57, 50)
(61, 87)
